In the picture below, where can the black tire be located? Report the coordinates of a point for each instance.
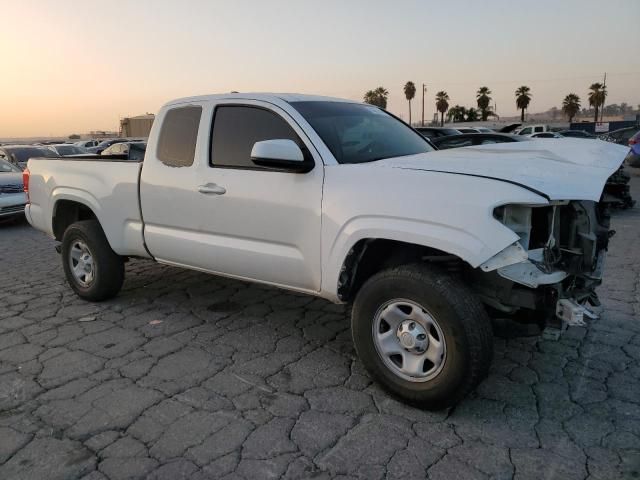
(108, 267)
(461, 317)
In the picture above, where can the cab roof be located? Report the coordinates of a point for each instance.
(268, 97)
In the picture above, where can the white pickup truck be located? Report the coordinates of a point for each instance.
(342, 200)
(532, 129)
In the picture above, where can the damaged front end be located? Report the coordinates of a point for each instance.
(554, 267)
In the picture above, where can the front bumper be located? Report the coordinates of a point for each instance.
(528, 273)
(11, 211)
(554, 268)
(12, 204)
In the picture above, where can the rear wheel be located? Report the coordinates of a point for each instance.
(422, 334)
(94, 271)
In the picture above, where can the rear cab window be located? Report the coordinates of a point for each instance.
(178, 135)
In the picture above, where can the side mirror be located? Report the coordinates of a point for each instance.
(280, 154)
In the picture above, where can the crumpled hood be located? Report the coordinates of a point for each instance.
(560, 169)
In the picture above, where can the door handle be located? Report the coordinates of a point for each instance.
(212, 189)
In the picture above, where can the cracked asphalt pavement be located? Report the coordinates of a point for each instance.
(186, 375)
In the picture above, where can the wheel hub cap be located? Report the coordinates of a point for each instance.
(81, 263)
(409, 340)
(413, 336)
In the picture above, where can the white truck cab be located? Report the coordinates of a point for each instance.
(341, 200)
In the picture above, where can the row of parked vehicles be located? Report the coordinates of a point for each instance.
(19, 154)
(447, 137)
(13, 160)
(616, 194)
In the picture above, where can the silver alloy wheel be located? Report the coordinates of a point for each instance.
(409, 340)
(81, 263)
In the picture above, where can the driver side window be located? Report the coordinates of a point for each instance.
(236, 128)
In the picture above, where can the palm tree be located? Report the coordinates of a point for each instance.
(370, 97)
(596, 97)
(377, 97)
(523, 97)
(483, 99)
(472, 115)
(409, 93)
(442, 104)
(383, 95)
(490, 113)
(456, 114)
(571, 106)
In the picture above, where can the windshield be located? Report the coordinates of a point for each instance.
(6, 167)
(22, 154)
(358, 133)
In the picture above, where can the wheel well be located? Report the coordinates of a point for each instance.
(67, 212)
(369, 256)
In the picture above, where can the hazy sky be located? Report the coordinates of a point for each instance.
(73, 66)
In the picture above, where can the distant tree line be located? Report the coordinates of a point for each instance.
(571, 104)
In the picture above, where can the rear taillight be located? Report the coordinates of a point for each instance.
(633, 141)
(25, 182)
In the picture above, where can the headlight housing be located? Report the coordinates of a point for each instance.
(516, 218)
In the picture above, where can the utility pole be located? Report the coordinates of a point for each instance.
(604, 96)
(424, 89)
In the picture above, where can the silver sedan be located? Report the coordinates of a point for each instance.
(12, 196)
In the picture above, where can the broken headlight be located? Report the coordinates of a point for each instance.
(517, 218)
(537, 228)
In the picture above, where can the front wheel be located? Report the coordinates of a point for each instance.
(94, 271)
(422, 334)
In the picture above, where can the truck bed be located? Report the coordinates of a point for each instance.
(108, 185)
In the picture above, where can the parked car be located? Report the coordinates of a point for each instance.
(132, 150)
(467, 130)
(341, 200)
(471, 139)
(530, 129)
(633, 158)
(87, 143)
(545, 135)
(47, 143)
(484, 130)
(436, 132)
(12, 196)
(104, 144)
(69, 150)
(510, 128)
(576, 134)
(621, 136)
(19, 154)
(617, 192)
